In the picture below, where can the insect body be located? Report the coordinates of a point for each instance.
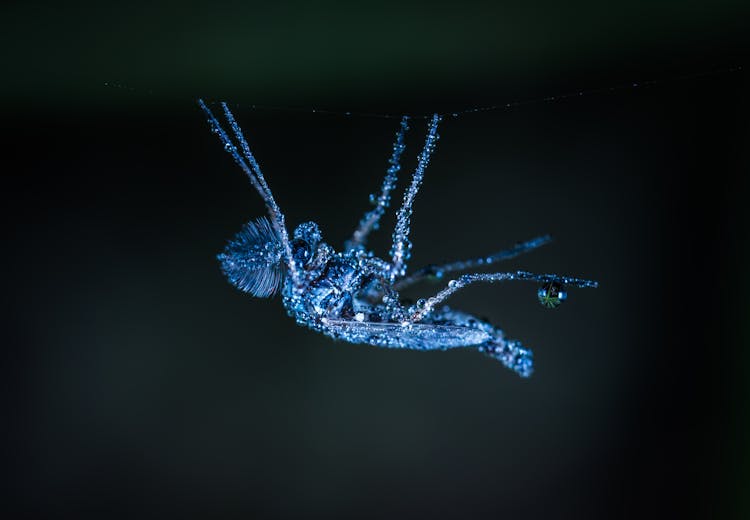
(354, 295)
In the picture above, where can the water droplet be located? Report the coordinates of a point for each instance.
(552, 294)
(433, 272)
(453, 284)
(421, 303)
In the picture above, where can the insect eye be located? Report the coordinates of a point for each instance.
(301, 252)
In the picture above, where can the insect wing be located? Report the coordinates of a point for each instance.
(415, 336)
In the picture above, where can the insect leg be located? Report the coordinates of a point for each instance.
(256, 177)
(266, 193)
(468, 279)
(371, 218)
(401, 250)
(438, 271)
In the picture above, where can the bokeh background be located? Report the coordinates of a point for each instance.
(137, 382)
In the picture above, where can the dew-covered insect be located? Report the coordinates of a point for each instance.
(354, 295)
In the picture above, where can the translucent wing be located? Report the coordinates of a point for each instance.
(415, 336)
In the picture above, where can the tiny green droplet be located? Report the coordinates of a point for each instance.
(552, 294)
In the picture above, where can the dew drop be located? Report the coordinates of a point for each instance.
(552, 294)
(433, 273)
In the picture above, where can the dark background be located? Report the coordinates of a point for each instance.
(137, 382)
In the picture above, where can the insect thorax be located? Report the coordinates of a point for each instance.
(328, 290)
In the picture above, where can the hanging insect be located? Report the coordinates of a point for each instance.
(354, 295)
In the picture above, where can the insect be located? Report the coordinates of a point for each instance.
(354, 295)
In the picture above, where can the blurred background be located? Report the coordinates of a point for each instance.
(137, 382)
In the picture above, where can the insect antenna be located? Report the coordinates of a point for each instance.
(256, 177)
(251, 261)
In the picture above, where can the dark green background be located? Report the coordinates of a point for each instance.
(139, 383)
